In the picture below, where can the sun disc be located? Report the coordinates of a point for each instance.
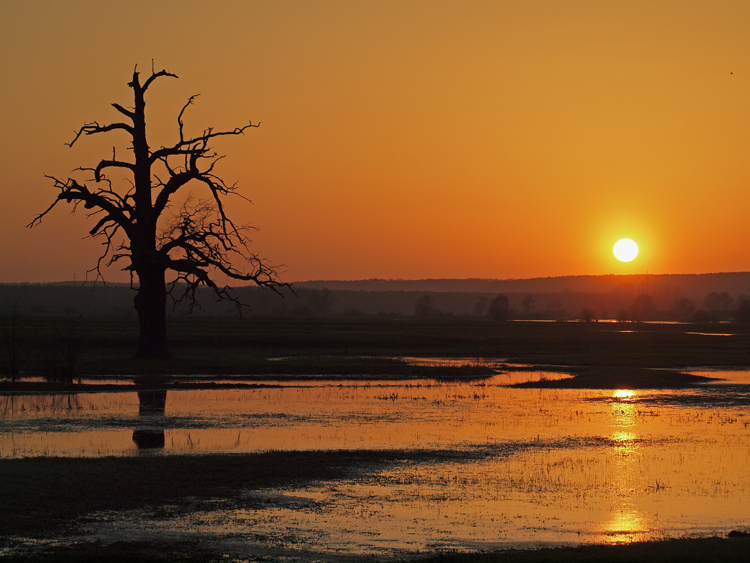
(625, 250)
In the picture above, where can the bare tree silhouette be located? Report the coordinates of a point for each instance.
(138, 221)
(321, 301)
(528, 304)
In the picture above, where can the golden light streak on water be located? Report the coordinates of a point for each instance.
(624, 394)
(624, 526)
(625, 523)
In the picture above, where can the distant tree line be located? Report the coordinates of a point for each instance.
(715, 307)
(47, 325)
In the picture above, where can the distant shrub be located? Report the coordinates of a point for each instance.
(499, 308)
(743, 309)
(587, 315)
(425, 306)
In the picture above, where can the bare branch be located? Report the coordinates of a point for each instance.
(111, 164)
(197, 145)
(124, 111)
(200, 240)
(73, 192)
(154, 76)
(93, 128)
(180, 123)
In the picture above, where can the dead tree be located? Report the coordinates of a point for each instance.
(140, 223)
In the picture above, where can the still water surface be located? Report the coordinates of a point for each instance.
(528, 466)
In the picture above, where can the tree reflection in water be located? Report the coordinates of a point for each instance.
(151, 406)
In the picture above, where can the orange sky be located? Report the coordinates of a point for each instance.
(405, 139)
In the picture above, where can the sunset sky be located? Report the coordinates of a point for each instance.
(404, 139)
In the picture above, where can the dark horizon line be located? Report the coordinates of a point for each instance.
(742, 272)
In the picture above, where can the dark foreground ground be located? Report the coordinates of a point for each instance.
(734, 550)
(45, 497)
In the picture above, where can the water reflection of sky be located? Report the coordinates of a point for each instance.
(534, 466)
(738, 376)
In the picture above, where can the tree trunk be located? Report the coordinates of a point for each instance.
(151, 304)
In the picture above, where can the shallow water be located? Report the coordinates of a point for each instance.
(723, 376)
(80, 380)
(526, 466)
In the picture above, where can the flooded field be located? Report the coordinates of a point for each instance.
(503, 467)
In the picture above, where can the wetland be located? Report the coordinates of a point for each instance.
(345, 439)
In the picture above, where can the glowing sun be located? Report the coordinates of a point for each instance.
(625, 250)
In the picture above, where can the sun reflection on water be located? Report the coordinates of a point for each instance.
(625, 522)
(624, 394)
(624, 418)
(624, 526)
